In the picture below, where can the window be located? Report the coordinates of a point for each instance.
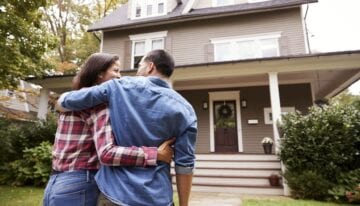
(222, 2)
(268, 113)
(143, 43)
(254, 1)
(148, 8)
(226, 49)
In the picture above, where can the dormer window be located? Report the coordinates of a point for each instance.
(223, 2)
(148, 8)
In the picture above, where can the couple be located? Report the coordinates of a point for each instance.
(144, 111)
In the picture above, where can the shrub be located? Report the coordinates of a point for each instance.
(33, 169)
(322, 144)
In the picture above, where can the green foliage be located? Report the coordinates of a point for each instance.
(320, 148)
(25, 151)
(33, 169)
(23, 41)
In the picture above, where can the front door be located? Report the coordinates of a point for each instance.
(225, 126)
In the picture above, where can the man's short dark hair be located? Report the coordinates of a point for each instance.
(163, 61)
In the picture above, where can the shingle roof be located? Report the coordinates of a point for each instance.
(119, 20)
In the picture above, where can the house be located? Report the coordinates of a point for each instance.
(20, 104)
(241, 64)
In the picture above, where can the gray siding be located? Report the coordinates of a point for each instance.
(298, 96)
(189, 43)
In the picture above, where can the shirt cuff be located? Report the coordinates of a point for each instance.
(183, 170)
(150, 156)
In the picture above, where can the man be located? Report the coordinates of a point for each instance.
(143, 112)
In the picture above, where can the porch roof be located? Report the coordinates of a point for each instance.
(342, 61)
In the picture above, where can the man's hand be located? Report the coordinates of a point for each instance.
(165, 152)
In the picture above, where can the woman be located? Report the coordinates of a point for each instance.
(84, 139)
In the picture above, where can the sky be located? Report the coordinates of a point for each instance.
(334, 25)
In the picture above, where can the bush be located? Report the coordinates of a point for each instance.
(319, 148)
(23, 147)
(33, 169)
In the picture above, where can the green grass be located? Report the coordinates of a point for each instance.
(284, 201)
(16, 196)
(29, 196)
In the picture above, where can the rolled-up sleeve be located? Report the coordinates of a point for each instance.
(185, 150)
(86, 97)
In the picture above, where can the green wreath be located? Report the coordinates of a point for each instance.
(224, 111)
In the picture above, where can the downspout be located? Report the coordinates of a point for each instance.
(306, 29)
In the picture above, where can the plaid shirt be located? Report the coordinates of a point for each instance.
(84, 139)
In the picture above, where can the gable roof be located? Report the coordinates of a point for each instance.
(118, 20)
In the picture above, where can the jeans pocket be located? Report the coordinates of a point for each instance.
(76, 198)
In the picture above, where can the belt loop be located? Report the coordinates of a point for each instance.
(87, 176)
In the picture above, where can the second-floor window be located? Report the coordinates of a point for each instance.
(233, 48)
(148, 8)
(222, 2)
(143, 43)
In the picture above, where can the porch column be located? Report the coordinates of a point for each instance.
(276, 116)
(275, 107)
(43, 103)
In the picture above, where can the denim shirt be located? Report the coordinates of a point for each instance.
(144, 111)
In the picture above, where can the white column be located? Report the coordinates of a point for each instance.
(276, 116)
(43, 103)
(275, 106)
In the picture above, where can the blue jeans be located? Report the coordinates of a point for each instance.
(76, 188)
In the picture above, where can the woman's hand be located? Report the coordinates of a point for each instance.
(165, 151)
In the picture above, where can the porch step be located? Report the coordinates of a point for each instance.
(235, 173)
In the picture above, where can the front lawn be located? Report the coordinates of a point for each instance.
(16, 196)
(283, 201)
(29, 196)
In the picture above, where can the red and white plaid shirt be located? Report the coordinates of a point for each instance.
(84, 139)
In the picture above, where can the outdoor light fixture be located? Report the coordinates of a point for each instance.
(243, 103)
(205, 105)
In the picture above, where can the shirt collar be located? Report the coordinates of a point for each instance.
(159, 82)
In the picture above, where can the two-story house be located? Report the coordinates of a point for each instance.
(241, 64)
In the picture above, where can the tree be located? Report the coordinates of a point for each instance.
(23, 41)
(68, 21)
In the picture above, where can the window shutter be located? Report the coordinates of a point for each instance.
(284, 45)
(209, 52)
(128, 56)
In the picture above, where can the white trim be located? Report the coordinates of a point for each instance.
(246, 37)
(223, 96)
(343, 86)
(312, 92)
(188, 7)
(43, 103)
(255, 1)
(147, 38)
(275, 107)
(215, 3)
(256, 39)
(26, 105)
(143, 4)
(267, 111)
(144, 36)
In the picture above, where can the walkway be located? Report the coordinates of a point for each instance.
(218, 199)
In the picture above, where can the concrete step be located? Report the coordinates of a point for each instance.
(237, 190)
(230, 181)
(237, 157)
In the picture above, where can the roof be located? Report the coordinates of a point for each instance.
(118, 19)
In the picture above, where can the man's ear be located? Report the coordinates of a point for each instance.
(151, 68)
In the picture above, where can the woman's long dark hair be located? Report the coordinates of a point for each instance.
(95, 65)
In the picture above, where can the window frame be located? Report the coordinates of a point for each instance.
(233, 40)
(144, 8)
(148, 38)
(216, 4)
(267, 113)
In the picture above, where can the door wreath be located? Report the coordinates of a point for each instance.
(224, 111)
